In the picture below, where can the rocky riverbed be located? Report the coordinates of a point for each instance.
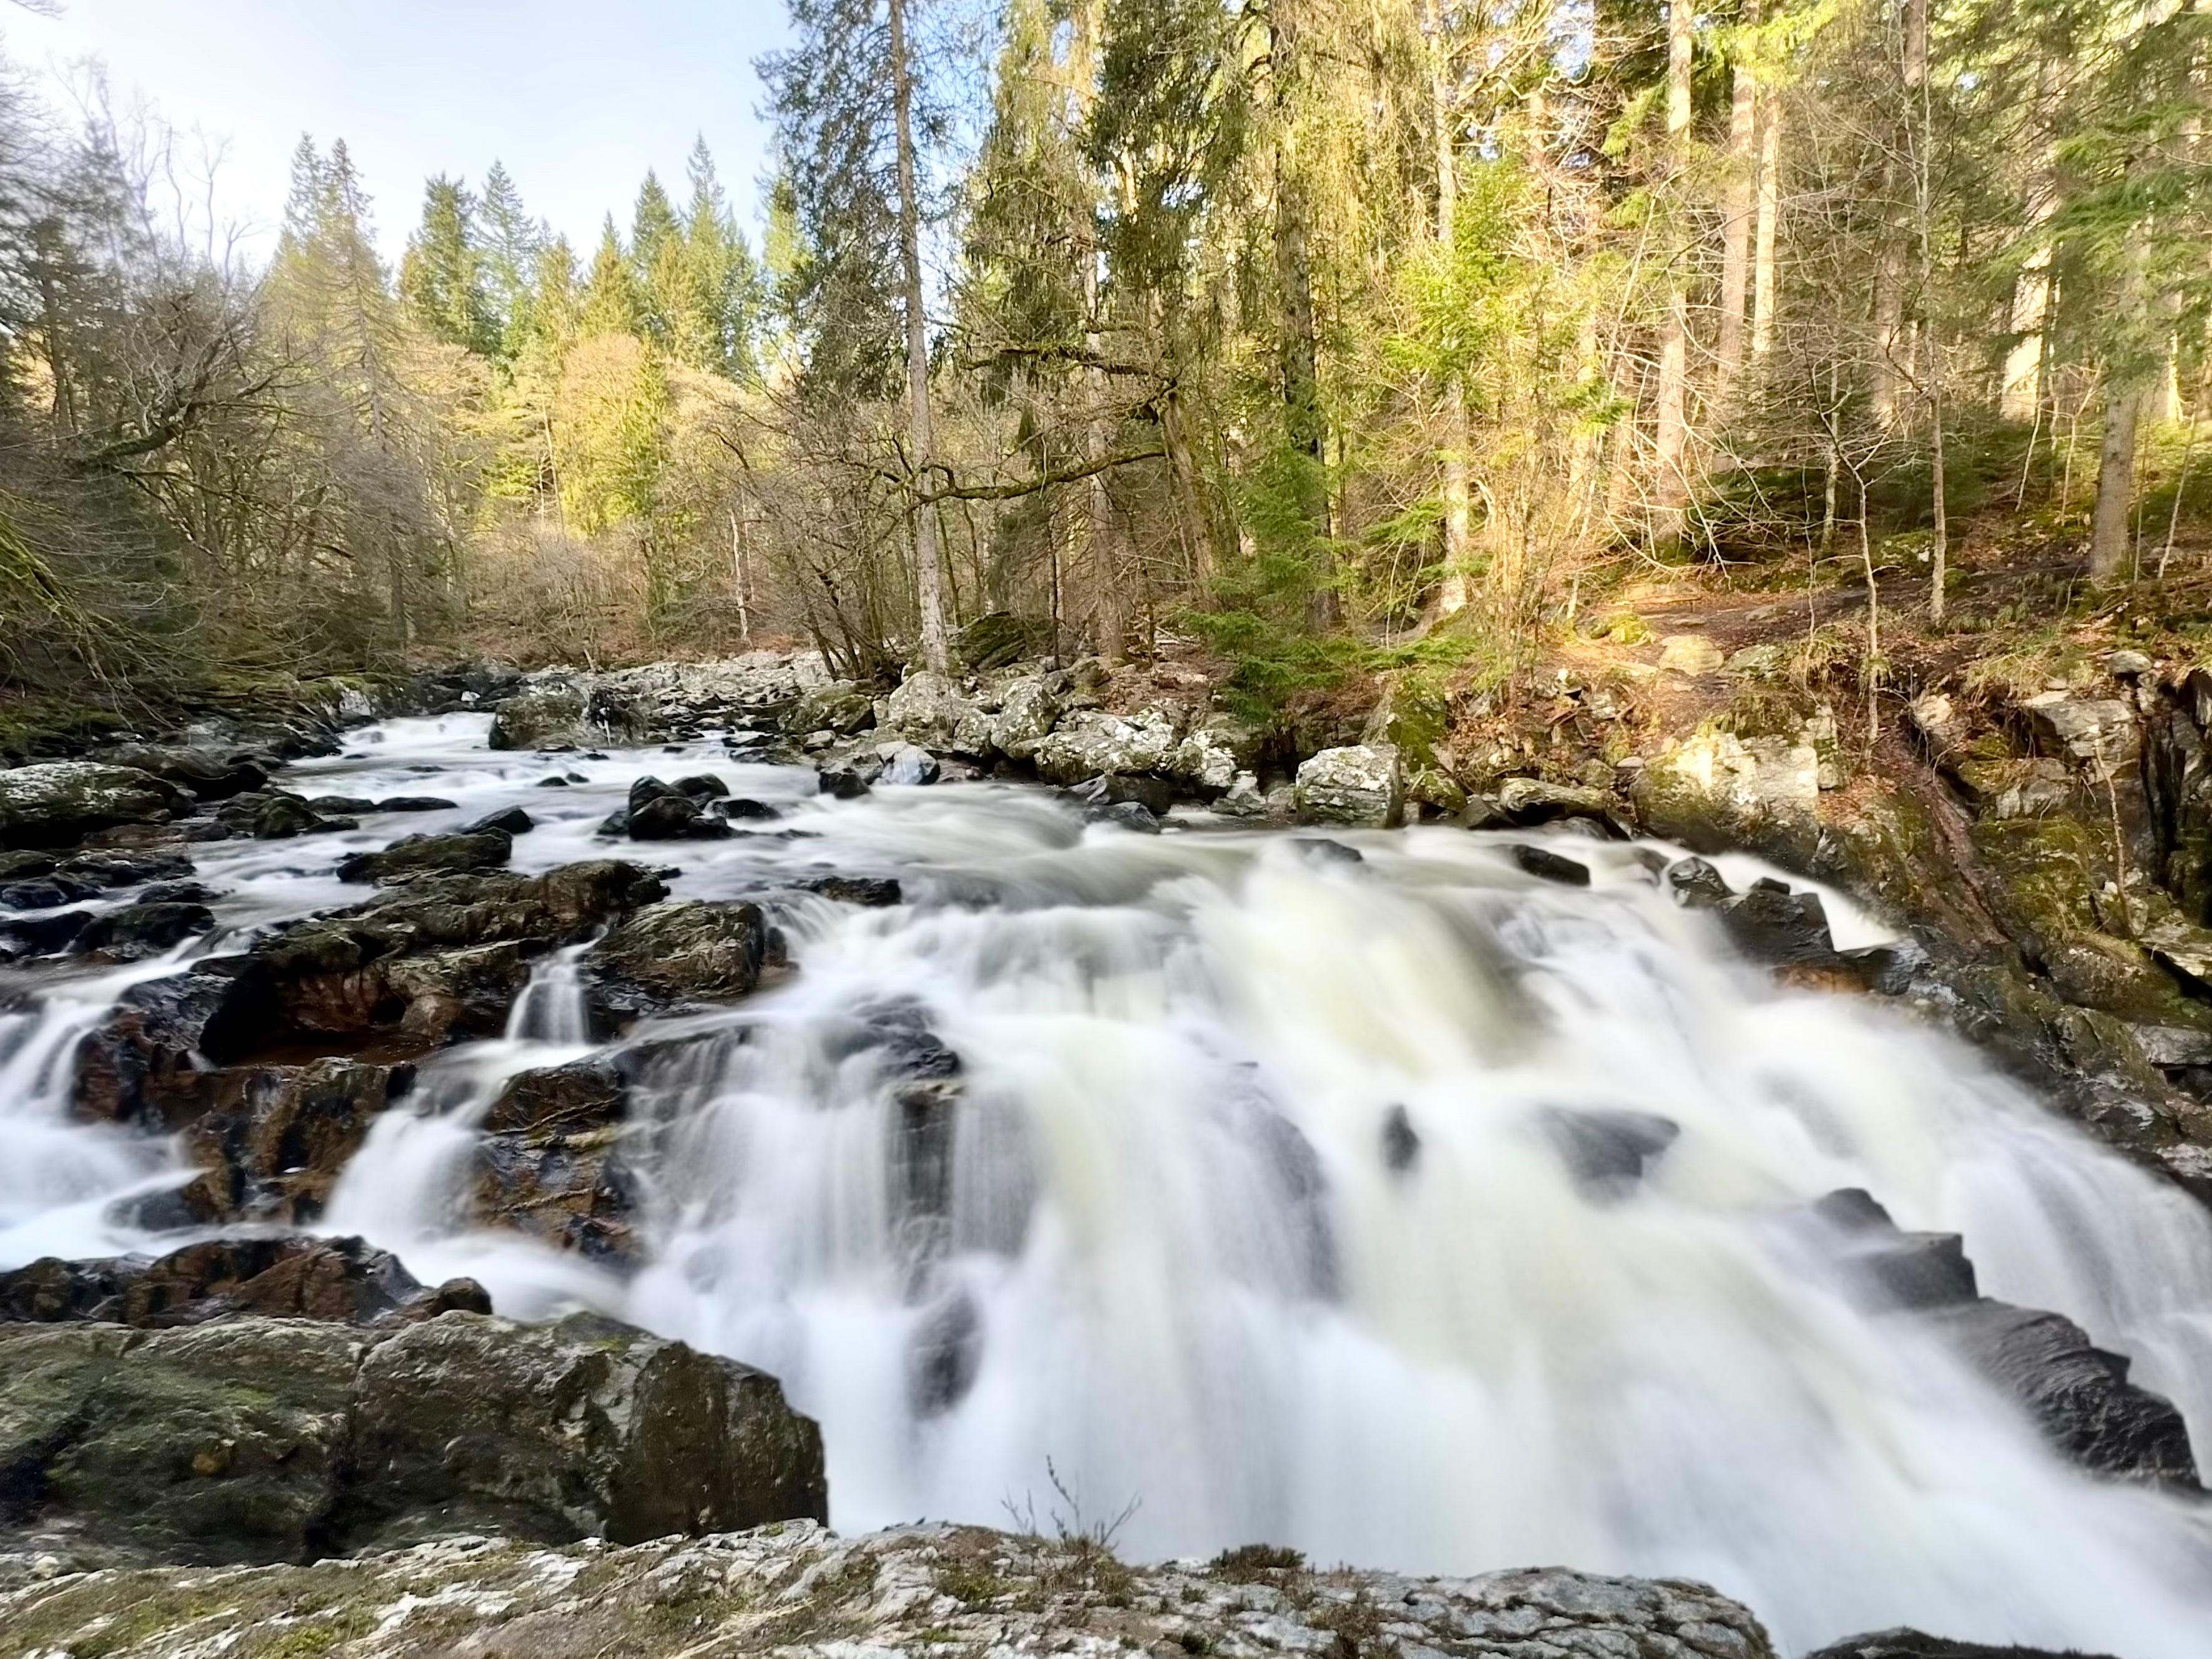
(994, 1062)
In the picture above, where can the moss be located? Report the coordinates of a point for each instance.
(1248, 1563)
(969, 1582)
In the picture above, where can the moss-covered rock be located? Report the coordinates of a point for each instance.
(57, 803)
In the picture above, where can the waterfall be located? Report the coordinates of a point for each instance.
(1399, 1207)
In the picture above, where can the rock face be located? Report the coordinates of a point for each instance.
(1363, 785)
(269, 1440)
(686, 951)
(551, 1162)
(1913, 1645)
(802, 1591)
(55, 803)
(343, 1279)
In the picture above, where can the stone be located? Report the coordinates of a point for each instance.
(554, 1101)
(417, 856)
(675, 954)
(414, 804)
(281, 816)
(927, 708)
(1244, 798)
(46, 893)
(57, 803)
(1361, 785)
(909, 765)
(701, 787)
(507, 821)
(847, 781)
(841, 708)
(273, 1440)
(138, 930)
(1914, 1644)
(1688, 654)
(2127, 664)
(1209, 757)
(40, 936)
(271, 1141)
(204, 771)
(873, 892)
(802, 1590)
(345, 1280)
(1131, 815)
(340, 806)
(2097, 734)
(542, 713)
(1532, 800)
(998, 639)
(663, 817)
(1607, 1149)
(1547, 865)
(1028, 708)
(1091, 743)
(1714, 790)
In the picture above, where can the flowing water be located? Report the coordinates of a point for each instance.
(1243, 1215)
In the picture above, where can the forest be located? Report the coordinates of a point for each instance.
(1322, 335)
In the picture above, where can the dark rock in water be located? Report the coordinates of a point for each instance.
(128, 869)
(1316, 849)
(258, 1440)
(703, 787)
(649, 788)
(1132, 815)
(1913, 1645)
(209, 774)
(577, 1098)
(178, 893)
(911, 764)
(1771, 924)
(415, 804)
(2078, 1394)
(280, 817)
(1607, 1149)
(553, 783)
(665, 818)
(343, 1279)
(1155, 795)
(874, 892)
(47, 893)
(573, 1191)
(945, 1356)
(1402, 1143)
(416, 855)
(509, 820)
(1546, 866)
(56, 803)
(143, 930)
(341, 806)
(147, 1064)
(42, 936)
(616, 823)
(26, 867)
(740, 806)
(679, 953)
(271, 1139)
(846, 781)
(1695, 884)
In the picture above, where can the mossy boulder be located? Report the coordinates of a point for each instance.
(57, 803)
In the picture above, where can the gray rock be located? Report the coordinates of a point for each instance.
(908, 765)
(801, 1591)
(54, 803)
(1688, 654)
(927, 708)
(1028, 708)
(544, 713)
(679, 952)
(1091, 743)
(417, 856)
(2096, 732)
(1362, 785)
(1532, 800)
(269, 1440)
(841, 708)
(1914, 1644)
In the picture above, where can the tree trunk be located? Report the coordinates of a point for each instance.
(1458, 492)
(1670, 489)
(929, 558)
(1107, 616)
(1736, 226)
(1304, 429)
(2019, 398)
(2115, 476)
(1931, 374)
(1763, 295)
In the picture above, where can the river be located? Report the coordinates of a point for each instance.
(1252, 1222)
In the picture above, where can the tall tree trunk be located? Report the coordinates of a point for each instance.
(928, 557)
(1304, 429)
(1931, 370)
(2116, 479)
(1736, 228)
(1670, 489)
(1763, 275)
(2021, 395)
(1109, 619)
(1458, 492)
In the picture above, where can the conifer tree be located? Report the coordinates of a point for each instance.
(611, 302)
(442, 276)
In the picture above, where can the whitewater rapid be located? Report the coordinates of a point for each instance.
(1240, 1220)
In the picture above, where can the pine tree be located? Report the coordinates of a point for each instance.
(611, 302)
(442, 276)
(510, 240)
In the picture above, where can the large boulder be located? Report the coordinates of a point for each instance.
(56, 803)
(416, 855)
(1091, 743)
(343, 1280)
(271, 1440)
(802, 1591)
(927, 708)
(549, 1163)
(682, 953)
(1363, 785)
(271, 1141)
(545, 713)
(1029, 705)
(840, 706)
(206, 770)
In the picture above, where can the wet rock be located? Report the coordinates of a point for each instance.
(1695, 884)
(138, 930)
(945, 1356)
(1714, 790)
(418, 856)
(147, 1064)
(57, 803)
(265, 1440)
(847, 781)
(345, 1280)
(341, 806)
(1401, 1142)
(674, 954)
(1606, 1150)
(908, 764)
(127, 869)
(570, 1190)
(1533, 801)
(281, 816)
(1771, 924)
(1131, 815)
(1363, 785)
(1091, 743)
(540, 715)
(40, 936)
(1913, 1645)
(507, 821)
(873, 892)
(1547, 865)
(740, 808)
(415, 804)
(204, 771)
(1316, 851)
(271, 1141)
(26, 866)
(671, 817)
(46, 893)
(2077, 1394)
(1211, 756)
(803, 1590)
(555, 1100)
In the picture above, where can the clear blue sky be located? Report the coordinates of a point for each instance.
(578, 97)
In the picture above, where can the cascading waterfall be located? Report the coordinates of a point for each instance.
(1229, 1177)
